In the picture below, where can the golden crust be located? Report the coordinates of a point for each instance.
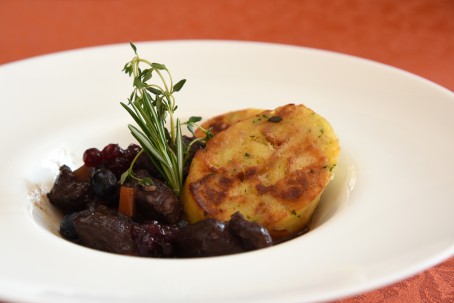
(272, 172)
(224, 121)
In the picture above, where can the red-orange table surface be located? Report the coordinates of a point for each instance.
(415, 35)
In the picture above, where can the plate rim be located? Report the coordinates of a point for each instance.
(429, 263)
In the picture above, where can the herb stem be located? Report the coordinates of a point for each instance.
(149, 112)
(150, 104)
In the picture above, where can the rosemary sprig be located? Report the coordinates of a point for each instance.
(150, 104)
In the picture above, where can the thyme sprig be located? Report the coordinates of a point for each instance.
(150, 105)
(130, 173)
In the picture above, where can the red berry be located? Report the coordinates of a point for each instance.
(131, 152)
(92, 157)
(111, 152)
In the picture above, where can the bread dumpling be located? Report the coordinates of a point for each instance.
(272, 167)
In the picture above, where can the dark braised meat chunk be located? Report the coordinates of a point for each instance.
(252, 235)
(105, 230)
(208, 237)
(68, 193)
(157, 202)
(211, 237)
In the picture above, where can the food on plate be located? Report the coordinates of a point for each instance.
(271, 167)
(153, 225)
(240, 181)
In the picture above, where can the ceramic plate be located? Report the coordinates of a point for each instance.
(387, 214)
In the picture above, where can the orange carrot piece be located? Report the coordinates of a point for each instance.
(83, 173)
(127, 204)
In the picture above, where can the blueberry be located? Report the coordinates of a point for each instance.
(67, 229)
(104, 183)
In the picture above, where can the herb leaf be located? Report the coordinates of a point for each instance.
(158, 66)
(133, 47)
(194, 119)
(153, 90)
(177, 87)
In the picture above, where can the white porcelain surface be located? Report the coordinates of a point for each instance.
(387, 215)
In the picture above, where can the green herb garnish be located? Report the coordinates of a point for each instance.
(129, 173)
(151, 105)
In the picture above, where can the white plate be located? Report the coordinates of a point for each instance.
(387, 215)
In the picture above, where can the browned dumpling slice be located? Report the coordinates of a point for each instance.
(272, 167)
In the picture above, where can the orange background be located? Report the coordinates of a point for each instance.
(415, 35)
